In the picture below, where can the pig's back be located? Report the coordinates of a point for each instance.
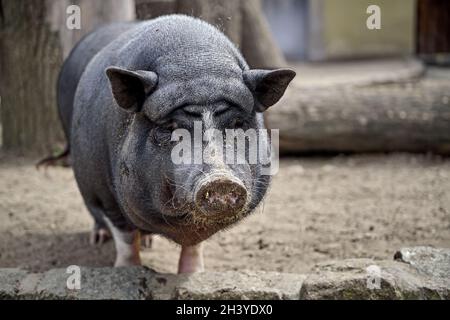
(174, 46)
(76, 63)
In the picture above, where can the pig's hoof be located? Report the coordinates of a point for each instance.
(190, 269)
(191, 259)
(126, 263)
(146, 241)
(99, 236)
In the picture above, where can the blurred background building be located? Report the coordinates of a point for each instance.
(318, 30)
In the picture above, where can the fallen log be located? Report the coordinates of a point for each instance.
(407, 117)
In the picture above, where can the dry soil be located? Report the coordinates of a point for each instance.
(318, 209)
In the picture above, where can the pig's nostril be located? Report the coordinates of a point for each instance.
(221, 197)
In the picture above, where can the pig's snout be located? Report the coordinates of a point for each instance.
(220, 195)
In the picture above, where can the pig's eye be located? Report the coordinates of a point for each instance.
(237, 123)
(162, 135)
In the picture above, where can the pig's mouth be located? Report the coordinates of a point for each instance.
(194, 228)
(192, 220)
(185, 229)
(188, 226)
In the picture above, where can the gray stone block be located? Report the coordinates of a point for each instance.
(417, 273)
(9, 282)
(427, 260)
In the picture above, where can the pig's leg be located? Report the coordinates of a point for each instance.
(99, 235)
(191, 259)
(146, 240)
(127, 246)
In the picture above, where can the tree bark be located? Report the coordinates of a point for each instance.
(149, 9)
(379, 118)
(30, 58)
(258, 45)
(34, 39)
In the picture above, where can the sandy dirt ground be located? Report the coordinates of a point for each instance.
(318, 209)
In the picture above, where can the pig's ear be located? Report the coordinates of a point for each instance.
(267, 86)
(130, 88)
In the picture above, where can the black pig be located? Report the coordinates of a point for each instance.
(122, 92)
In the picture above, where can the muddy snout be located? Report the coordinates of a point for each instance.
(220, 195)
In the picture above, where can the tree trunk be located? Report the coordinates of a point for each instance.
(34, 39)
(242, 21)
(149, 9)
(258, 45)
(30, 58)
(94, 14)
(378, 118)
